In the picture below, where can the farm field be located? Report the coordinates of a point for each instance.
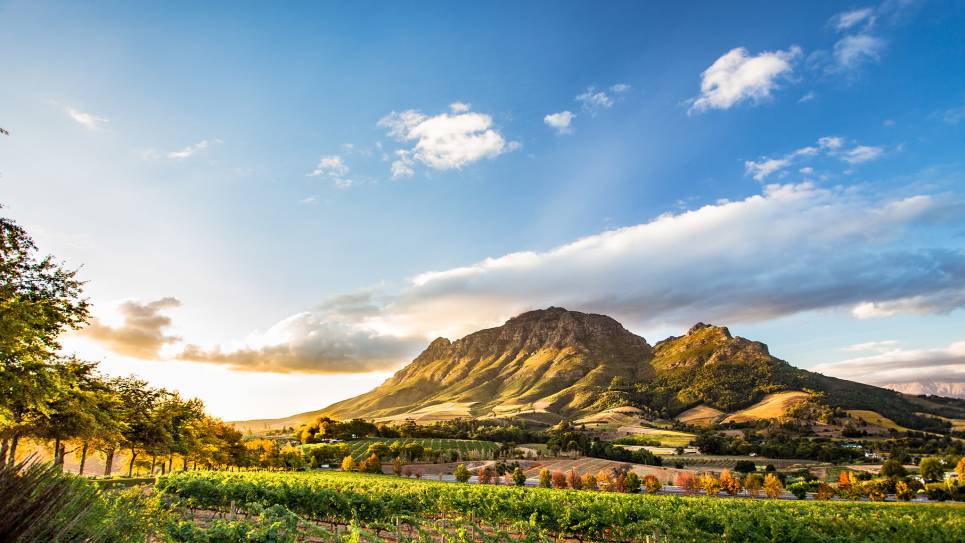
(702, 415)
(667, 438)
(547, 514)
(876, 419)
(462, 446)
(771, 406)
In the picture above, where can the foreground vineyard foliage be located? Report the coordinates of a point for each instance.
(373, 500)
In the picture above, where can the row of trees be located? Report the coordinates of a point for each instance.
(64, 402)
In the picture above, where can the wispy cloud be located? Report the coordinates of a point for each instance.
(88, 120)
(851, 52)
(593, 101)
(193, 149)
(846, 20)
(739, 77)
(954, 115)
(894, 366)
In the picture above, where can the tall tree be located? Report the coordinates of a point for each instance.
(39, 299)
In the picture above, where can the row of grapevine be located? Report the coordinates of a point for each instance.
(343, 497)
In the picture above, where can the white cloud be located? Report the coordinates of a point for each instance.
(807, 97)
(90, 121)
(807, 170)
(738, 77)
(620, 88)
(310, 200)
(862, 153)
(332, 165)
(593, 100)
(848, 19)
(402, 166)
(445, 141)
(460, 107)
(192, 150)
(789, 249)
(944, 364)
(852, 51)
(875, 346)
(560, 121)
(334, 168)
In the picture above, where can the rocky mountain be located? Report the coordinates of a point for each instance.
(554, 363)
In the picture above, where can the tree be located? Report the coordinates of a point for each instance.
(573, 480)
(709, 484)
(685, 481)
(545, 478)
(558, 479)
(893, 468)
(729, 483)
(903, 492)
(752, 484)
(745, 466)
(397, 466)
(462, 474)
(931, 469)
(348, 464)
(960, 468)
(772, 486)
(486, 475)
(651, 484)
(589, 482)
(39, 299)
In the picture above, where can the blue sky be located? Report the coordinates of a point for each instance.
(257, 194)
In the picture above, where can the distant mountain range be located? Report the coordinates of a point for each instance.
(550, 364)
(932, 388)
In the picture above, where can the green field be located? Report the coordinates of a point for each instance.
(667, 438)
(462, 446)
(547, 514)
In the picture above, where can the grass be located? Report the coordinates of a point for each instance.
(872, 417)
(770, 407)
(667, 438)
(462, 446)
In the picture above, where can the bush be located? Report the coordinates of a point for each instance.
(772, 486)
(745, 466)
(545, 478)
(799, 489)
(461, 473)
(903, 492)
(825, 492)
(519, 477)
(633, 482)
(651, 484)
(936, 491)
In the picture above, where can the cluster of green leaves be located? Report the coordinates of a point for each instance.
(344, 497)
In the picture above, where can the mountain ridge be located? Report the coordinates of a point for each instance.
(549, 364)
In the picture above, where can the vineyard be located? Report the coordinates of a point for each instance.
(465, 447)
(544, 514)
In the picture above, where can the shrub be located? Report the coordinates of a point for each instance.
(936, 491)
(633, 482)
(461, 473)
(486, 475)
(651, 484)
(519, 477)
(589, 482)
(545, 478)
(745, 466)
(397, 465)
(799, 489)
(685, 481)
(825, 492)
(903, 492)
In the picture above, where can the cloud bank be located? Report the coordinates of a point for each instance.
(789, 249)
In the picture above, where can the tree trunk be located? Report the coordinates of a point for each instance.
(130, 467)
(109, 462)
(83, 459)
(153, 463)
(58, 459)
(4, 447)
(13, 447)
(184, 463)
